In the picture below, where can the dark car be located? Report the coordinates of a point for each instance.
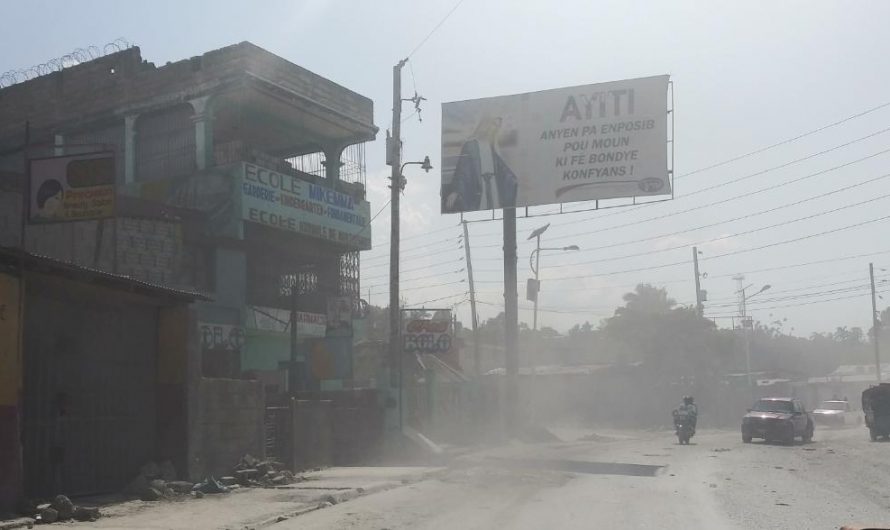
(779, 419)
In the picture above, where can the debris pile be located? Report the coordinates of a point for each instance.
(253, 472)
(154, 483)
(62, 509)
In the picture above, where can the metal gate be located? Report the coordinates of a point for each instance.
(95, 359)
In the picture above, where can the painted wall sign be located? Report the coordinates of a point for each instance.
(289, 203)
(71, 188)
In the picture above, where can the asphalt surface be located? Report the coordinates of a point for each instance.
(639, 480)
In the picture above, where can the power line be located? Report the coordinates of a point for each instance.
(425, 234)
(807, 264)
(789, 140)
(740, 251)
(430, 34)
(810, 236)
(734, 219)
(728, 236)
(464, 294)
(421, 287)
(732, 301)
(733, 198)
(803, 303)
(427, 277)
(427, 267)
(428, 245)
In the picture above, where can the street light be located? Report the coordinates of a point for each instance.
(534, 262)
(424, 165)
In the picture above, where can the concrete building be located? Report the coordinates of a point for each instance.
(235, 172)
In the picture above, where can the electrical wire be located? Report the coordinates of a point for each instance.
(739, 218)
(804, 303)
(421, 287)
(730, 199)
(788, 141)
(730, 236)
(436, 28)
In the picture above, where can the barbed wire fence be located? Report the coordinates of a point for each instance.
(57, 64)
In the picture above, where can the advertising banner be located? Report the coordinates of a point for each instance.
(339, 312)
(427, 335)
(601, 141)
(71, 188)
(309, 325)
(293, 204)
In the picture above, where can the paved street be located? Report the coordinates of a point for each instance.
(639, 481)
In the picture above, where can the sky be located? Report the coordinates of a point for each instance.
(746, 76)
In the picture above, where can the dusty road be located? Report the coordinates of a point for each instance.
(639, 481)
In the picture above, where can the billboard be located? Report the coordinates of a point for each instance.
(71, 188)
(600, 141)
(428, 335)
(289, 203)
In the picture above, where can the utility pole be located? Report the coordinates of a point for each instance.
(537, 280)
(295, 374)
(875, 322)
(743, 314)
(511, 323)
(477, 369)
(699, 306)
(394, 157)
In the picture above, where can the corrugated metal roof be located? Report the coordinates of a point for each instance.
(14, 258)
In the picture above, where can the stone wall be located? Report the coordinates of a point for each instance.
(230, 418)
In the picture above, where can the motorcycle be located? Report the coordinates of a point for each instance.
(683, 427)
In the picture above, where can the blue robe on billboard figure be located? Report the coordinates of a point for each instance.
(482, 180)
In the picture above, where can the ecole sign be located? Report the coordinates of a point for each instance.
(288, 203)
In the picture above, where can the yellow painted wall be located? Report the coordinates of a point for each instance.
(10, 341)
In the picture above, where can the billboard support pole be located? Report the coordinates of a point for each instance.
(511, 323)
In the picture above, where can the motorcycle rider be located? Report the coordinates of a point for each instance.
(687, 410)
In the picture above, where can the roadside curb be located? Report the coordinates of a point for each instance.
(341, 497)
(21, 522)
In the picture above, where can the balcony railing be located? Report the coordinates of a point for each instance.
(306, 167)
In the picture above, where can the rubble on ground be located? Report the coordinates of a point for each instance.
(269, 473)
(62, 509)
(157, 482)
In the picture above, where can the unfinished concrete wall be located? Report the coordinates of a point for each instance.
(113, 85)
(150, 250)
(231, 415)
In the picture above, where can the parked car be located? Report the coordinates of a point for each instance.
(779, 419)
(836, 412)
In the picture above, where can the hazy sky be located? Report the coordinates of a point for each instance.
(746, 75)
